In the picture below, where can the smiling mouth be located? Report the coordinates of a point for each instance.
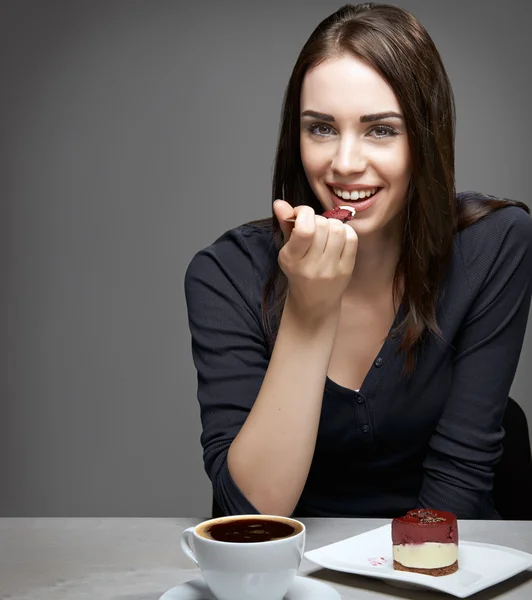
(355, 194)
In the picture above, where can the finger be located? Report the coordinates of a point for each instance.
(319, 242)
(335, 240)
(349, 252)
(282, 211)
(302, 233)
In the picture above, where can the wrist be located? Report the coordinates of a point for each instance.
(312, 322)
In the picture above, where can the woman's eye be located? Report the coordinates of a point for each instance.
(319, 129)
(380, 131)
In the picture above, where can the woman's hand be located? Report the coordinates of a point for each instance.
(318, 258)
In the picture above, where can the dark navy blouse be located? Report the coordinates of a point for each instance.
(429, 440)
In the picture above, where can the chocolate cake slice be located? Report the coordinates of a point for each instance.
(342, 213)
(425, 541)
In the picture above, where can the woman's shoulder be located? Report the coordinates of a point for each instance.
(505, 222)
(247, 248)
(474, 202)
(504, 233)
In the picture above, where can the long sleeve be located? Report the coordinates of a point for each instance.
(222, 288)
(467, 442)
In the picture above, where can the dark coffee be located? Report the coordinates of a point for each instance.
(249, 530)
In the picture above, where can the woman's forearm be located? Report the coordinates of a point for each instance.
(270, 458)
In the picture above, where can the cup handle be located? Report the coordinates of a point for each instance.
(186, 539)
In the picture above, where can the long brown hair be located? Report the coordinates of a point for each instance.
(394, 43)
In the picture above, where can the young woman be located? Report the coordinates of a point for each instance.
(362, 368)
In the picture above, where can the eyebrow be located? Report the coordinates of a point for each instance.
(363, 119)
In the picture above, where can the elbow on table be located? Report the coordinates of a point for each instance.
(271, 504)
(263, 504)
(266, 498)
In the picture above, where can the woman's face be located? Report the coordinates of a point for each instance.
(354, 145)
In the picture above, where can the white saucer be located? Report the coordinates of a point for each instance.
(370, 554)
(303, 588)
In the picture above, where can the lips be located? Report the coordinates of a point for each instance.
(358, 205)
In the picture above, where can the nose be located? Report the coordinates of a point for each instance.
(349, 157)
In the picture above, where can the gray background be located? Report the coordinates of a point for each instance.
(117, 120)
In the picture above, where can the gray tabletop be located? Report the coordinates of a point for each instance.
(139, 559)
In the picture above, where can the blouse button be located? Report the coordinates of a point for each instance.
(359, 398)
(378, 362)
(365, 429)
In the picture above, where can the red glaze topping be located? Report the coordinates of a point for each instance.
(342, 214)
(425, 525)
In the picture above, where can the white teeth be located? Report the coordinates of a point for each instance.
(355, 195)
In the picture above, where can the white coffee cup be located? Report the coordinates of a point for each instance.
(262, 570)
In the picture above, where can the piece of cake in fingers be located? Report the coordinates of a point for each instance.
(342, 213)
